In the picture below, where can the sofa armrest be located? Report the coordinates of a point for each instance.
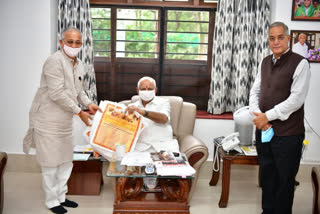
(195, 150)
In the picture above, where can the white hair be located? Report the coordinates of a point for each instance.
(280, 24)
(147, 78)
(62, 35)
(302, 34)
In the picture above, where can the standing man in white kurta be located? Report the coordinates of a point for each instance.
(50, 118)
(157, 134)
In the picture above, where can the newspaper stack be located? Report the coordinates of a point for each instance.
(169, 164)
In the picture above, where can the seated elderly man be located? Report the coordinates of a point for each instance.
(157, 133)
(301, 47)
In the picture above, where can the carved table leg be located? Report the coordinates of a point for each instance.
(176, 192)
(119, 193)
(133, 187)
(225, 184)
(127, 188)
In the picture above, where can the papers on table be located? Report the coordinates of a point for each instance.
(80, 156)
(179, 166)
(182, 170)
(169, 164)
(249, 150)
(83, 148)
(136, 159)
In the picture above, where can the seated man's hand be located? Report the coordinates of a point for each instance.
(130, 109)
(93, 108)
(85, 117)
(154, 116)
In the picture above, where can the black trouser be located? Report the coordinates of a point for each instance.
(279, 163)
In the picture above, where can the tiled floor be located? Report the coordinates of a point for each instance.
(23, 194)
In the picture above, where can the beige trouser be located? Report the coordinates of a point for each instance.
(54, 183)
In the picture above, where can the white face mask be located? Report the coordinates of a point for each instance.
(146, 95)
(72, 52)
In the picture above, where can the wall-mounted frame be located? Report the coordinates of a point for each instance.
(312, 41)
(299, 10)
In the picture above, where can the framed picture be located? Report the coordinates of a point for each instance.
(306, 43)
(305, 10)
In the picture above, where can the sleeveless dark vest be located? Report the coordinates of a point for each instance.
(276, 80)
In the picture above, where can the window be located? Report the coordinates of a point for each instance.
(137, 33)
(101, 31)
(187, 35)
(170, 44)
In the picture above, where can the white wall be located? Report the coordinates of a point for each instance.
(28, 36)
(54, 23)
(208, 129)
(26, 41)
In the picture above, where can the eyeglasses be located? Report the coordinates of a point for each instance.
(71, 42)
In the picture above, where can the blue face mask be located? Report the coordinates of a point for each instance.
(267, 135)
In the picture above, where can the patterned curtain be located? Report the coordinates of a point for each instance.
(240, 43)
(76, 13)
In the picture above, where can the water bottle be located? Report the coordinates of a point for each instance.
(118, 155)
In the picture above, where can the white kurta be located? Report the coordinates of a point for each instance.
(52, 109)
(156, 136)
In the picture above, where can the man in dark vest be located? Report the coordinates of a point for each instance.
(277, 99)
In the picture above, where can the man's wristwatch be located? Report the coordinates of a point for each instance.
(146, 113)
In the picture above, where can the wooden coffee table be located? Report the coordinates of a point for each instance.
(232, 157)
(131, 197)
